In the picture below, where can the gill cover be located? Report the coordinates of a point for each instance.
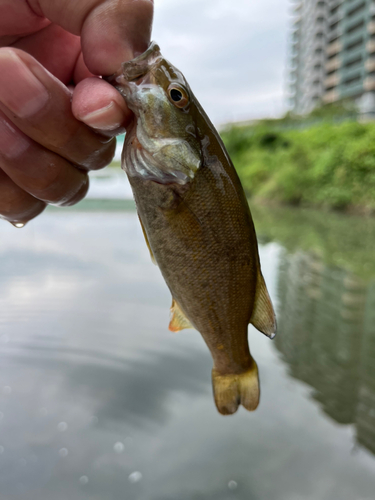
(162, 145)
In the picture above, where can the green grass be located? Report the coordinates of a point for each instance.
(327, 165)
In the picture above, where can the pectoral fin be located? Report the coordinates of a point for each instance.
(178, 319)
(263, 317)
(147, 242)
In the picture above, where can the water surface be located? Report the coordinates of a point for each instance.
(99, 400)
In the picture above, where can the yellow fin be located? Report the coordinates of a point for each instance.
(263, 317)
(147, 242)
(178, 319)
(232, 390)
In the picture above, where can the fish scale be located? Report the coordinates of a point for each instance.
(197, 223)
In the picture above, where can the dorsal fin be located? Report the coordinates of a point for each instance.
(263, 317)
(178, 319)
(147, 242)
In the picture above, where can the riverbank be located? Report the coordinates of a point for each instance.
(328, 165)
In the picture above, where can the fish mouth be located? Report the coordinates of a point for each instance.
(138, 68)
(140, 65)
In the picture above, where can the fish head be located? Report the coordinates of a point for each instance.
(162, 142)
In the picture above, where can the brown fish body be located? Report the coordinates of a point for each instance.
(201, 234)
(204, 244)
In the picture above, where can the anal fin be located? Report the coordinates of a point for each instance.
(263, 317)
(178, 319)
(147, 242)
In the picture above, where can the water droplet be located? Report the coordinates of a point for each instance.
(4, 338)
(62, 426)
(135, 477)
(83, 479)
(22, 461)
(43, 412)
(63, 452)
(7, 390)
(94, 420)
(119, 447)
(19, 225)
(232, 485)
(2, 450)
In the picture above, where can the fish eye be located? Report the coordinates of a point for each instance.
(178, 95)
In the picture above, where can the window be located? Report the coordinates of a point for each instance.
(352, 79)
(354, 45)
(356, 26)
(353, 62)
(356, 10)
(334, 25)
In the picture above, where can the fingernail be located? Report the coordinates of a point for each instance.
(108, 118)
(20, 91)
(12, 141)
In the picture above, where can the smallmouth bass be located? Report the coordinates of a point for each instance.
(196, 222)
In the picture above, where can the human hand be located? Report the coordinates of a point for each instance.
(52, 135)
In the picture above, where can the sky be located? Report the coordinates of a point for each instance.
(232, 52)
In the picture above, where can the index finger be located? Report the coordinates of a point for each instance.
(112, 31)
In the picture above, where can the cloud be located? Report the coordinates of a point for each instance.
(232, 53)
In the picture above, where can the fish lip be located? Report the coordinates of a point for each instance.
(144, 60)
(136, 68)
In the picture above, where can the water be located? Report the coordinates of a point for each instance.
(99, 400)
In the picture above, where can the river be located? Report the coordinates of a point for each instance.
(98, 400)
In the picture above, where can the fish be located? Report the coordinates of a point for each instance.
(196, 222)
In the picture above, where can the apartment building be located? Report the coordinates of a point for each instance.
(332, 54)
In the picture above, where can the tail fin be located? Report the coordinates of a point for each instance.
(232, 390)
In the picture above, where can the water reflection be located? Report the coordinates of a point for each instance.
(99, 400)
(327, 337)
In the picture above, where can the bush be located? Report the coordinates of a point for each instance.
(330, 165)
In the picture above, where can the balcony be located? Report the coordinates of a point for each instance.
(332, 81)
(334, 48)
(334, 34)
(370, 65)
(335, 18)
(369, 83)
(331, 96)
(333, 4)
(370, 46)
(333, 64)
(371, 28)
